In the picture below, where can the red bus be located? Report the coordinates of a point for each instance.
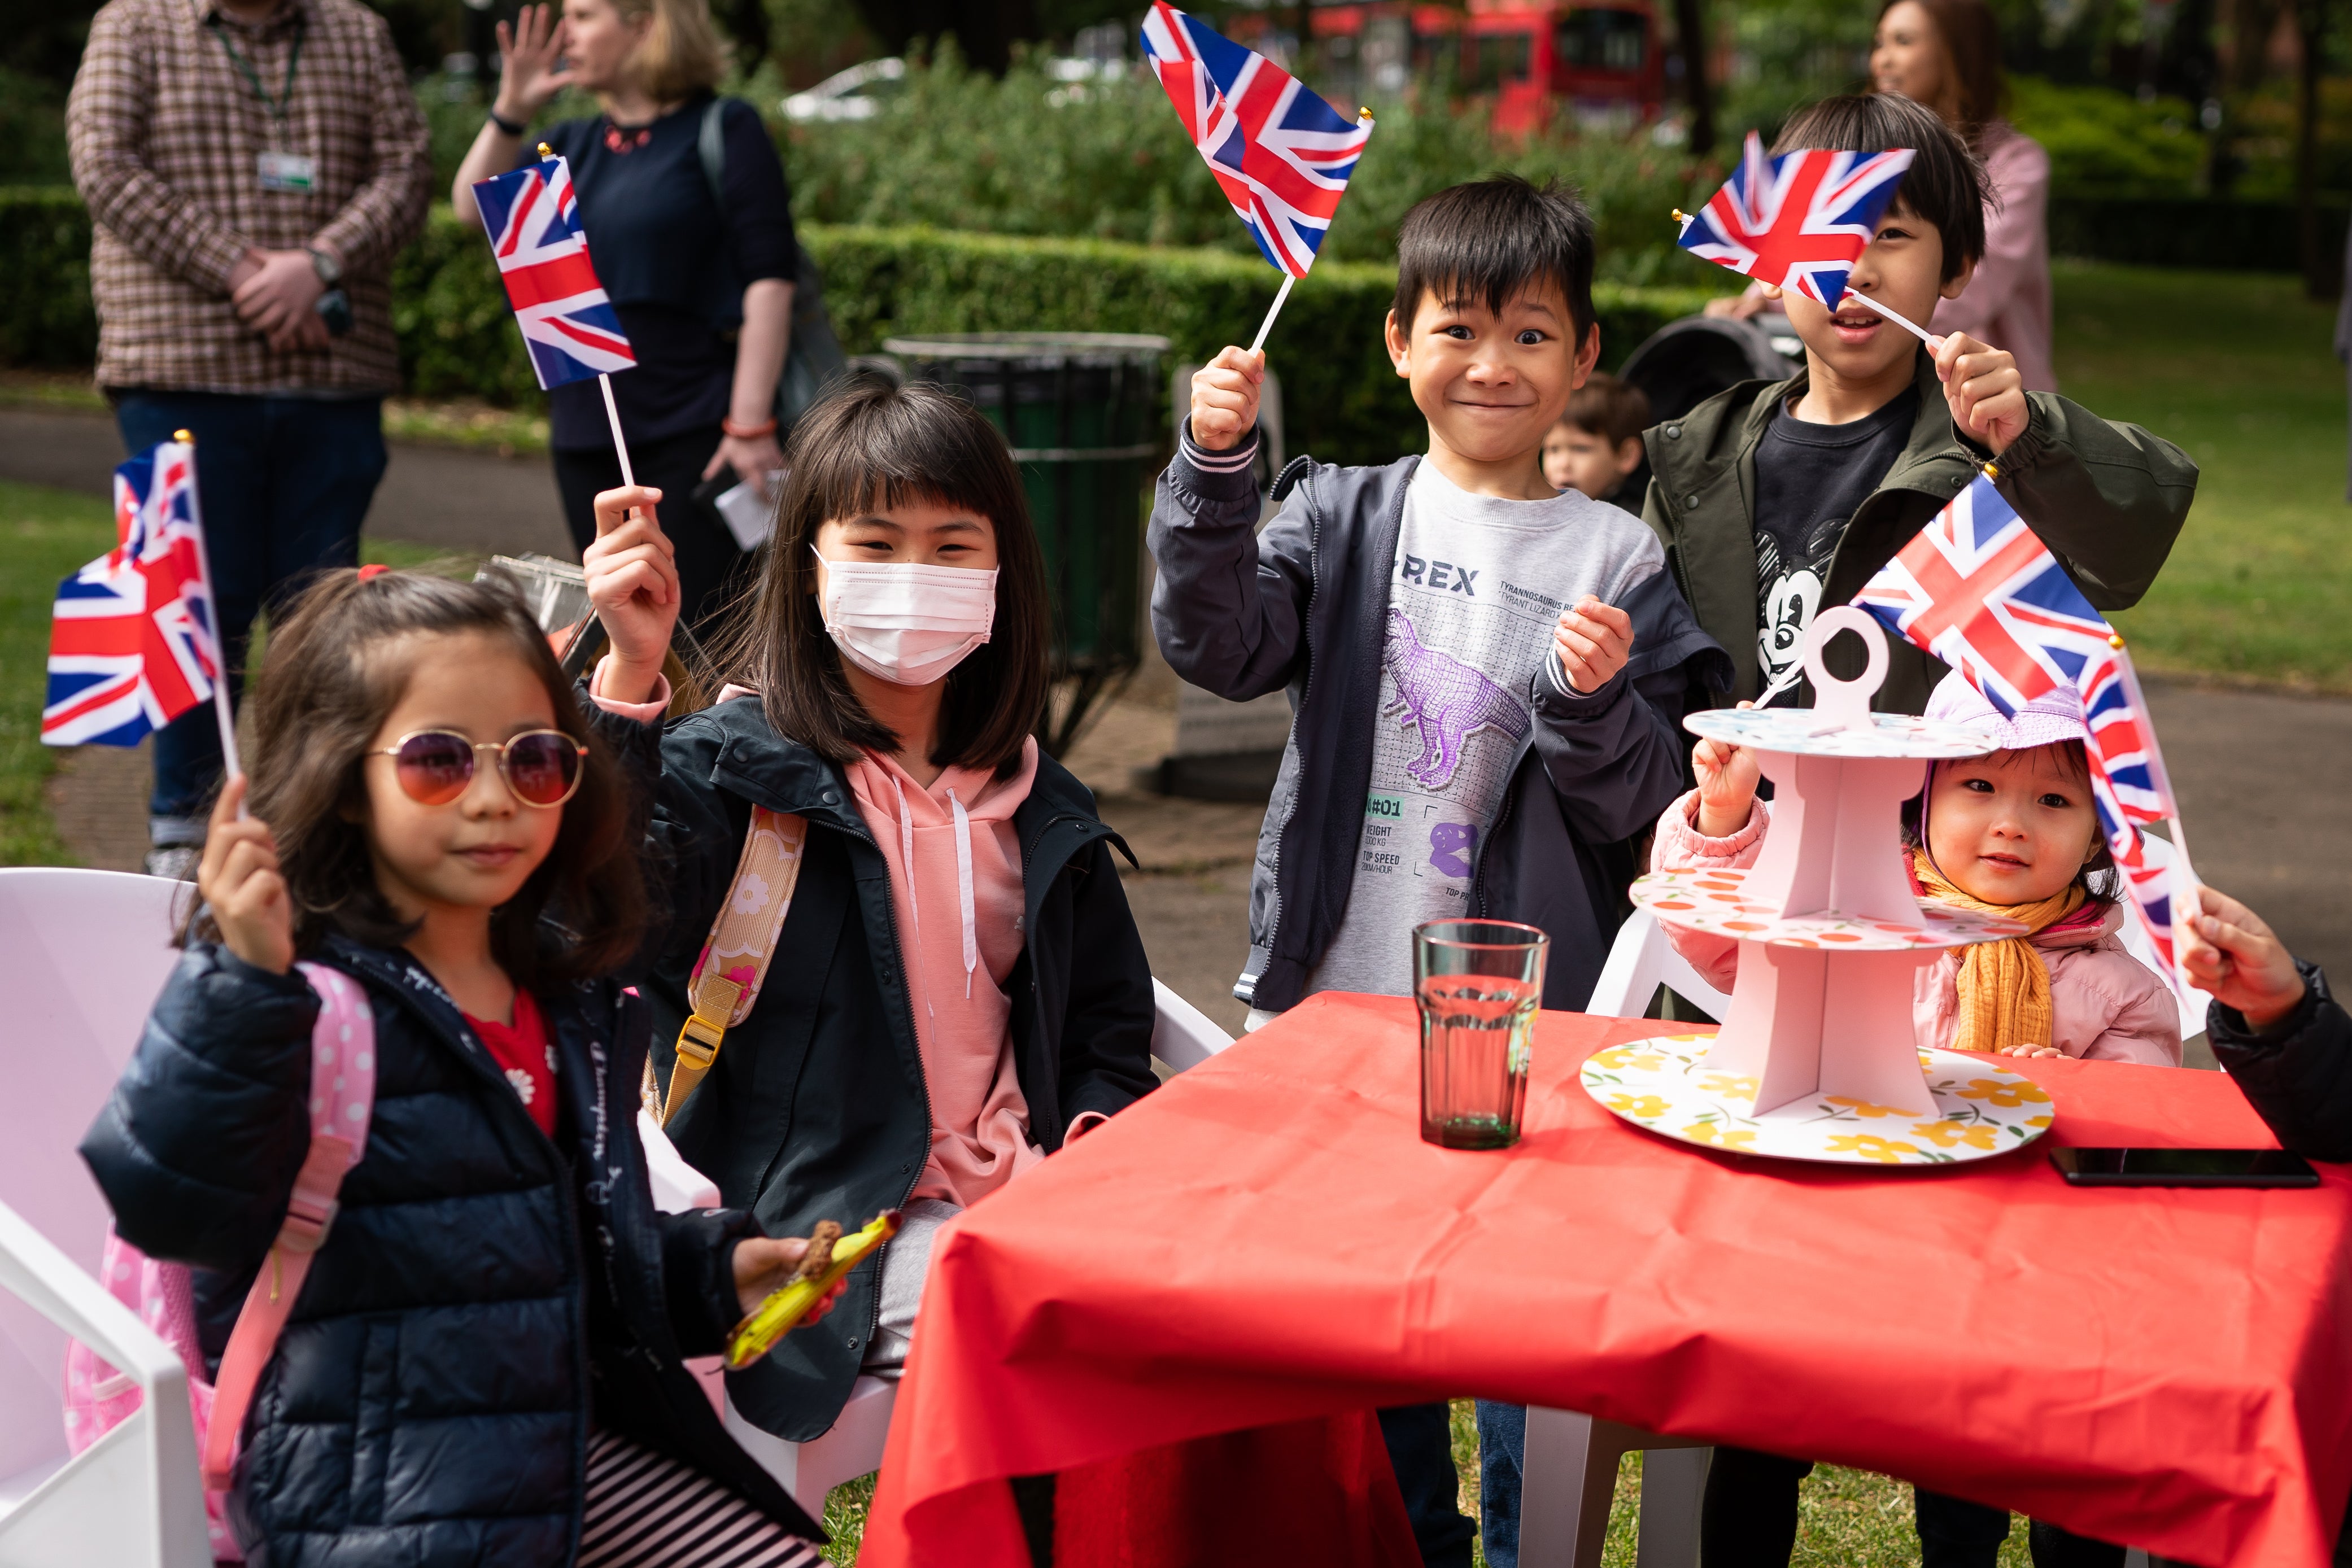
(1598, 62)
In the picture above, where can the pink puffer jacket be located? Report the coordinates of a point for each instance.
(2104, 1004)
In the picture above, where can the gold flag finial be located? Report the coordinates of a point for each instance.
(185, 437)
(545, 151)
(1679, 217)
(2114, 639)
(1992, 471)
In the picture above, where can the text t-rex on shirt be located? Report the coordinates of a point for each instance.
(1477, 588)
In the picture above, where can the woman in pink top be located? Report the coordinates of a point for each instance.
(958, 989)
(1945, 54)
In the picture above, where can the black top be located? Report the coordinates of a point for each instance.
(675, 265)
(1810, 480)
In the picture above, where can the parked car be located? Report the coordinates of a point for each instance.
(857, 93)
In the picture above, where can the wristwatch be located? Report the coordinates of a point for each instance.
(330, 270)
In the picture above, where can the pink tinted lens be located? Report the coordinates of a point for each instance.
(434, 769)
(542, 767)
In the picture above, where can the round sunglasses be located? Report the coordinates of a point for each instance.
(542, 768)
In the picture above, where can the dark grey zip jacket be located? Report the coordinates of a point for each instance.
(1302, 606)
(2108, 499)
(816, 1108)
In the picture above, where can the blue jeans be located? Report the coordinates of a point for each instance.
(283, 483)
(1420, 1442)
(1502, 1459)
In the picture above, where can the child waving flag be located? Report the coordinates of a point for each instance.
(1282, 154)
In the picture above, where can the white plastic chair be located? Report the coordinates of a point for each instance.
(1182, 1037)
(1640, 961)
(83, 954)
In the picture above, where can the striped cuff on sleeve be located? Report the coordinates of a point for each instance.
(1236, 461)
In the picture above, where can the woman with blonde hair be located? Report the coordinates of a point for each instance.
(703, 286)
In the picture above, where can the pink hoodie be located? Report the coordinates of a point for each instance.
(2104, 1004)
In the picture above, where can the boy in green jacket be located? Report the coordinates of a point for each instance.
(1775, 499)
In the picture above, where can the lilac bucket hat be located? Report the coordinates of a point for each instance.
(2056, 714)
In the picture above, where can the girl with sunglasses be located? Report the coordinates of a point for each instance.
(957, 987)
(485, 1364)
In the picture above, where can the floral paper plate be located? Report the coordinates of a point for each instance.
(1716, 901)
(1665, 1085)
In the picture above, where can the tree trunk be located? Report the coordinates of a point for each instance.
(2311, 25)
(1690, 27)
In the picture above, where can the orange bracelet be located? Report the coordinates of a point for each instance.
(747, 432)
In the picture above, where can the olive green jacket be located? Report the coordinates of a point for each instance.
(2108, 498)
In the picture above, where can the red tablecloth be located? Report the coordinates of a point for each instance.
(1266, 1240)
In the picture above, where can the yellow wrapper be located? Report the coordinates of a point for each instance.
(772, 1318)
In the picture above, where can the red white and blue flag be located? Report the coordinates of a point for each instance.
(132, 644)
(1799, 221)
(1282, 154)
(567, 320)
(1978, 589)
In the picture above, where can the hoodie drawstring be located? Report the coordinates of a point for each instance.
(963, 892)
(907, 859)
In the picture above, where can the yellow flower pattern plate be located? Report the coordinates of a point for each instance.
(1665, 1086)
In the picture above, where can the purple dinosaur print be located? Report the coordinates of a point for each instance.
(1446, 700)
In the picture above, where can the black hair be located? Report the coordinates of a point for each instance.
(1491, 239)
(336, 668)
(868, 445)
(1946, 183)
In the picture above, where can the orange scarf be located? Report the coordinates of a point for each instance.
(2004, 985)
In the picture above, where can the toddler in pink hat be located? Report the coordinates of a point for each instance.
(2011, 832)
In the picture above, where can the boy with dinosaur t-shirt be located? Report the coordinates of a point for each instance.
(1486, 673)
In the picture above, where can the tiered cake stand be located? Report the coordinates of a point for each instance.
(1817, 1059)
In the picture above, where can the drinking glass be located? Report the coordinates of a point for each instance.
(1477, 982)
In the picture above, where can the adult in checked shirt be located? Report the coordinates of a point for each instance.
(251, 168)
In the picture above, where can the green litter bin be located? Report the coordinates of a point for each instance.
(1080, 410)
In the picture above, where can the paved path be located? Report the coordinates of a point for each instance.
(430, 495)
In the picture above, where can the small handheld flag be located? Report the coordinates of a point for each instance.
(1281, 154)
(568, 322)
(1978, 589)
(1799, 221)
(134, 642)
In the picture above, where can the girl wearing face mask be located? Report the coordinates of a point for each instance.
(958, 989)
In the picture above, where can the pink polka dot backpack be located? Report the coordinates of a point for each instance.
(99, 1399)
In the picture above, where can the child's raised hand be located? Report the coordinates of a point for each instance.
(1727, 778)
(631, 571)
(765, 1265)
(239, 879)
(1224, 399)
(2233, 956)
(1593, 640)
(1984, 389)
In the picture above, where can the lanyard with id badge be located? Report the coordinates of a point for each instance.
(279, 169)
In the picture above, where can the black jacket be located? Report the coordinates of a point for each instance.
(1302, 605)
(2108, 498)
(815, 1108)
(482, 1291)
(2298, 1075)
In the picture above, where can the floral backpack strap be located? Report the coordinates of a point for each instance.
(734, 960)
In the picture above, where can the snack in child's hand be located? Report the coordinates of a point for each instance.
(830, 1257)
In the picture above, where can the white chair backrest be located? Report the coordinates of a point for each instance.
(1640, 961)
(1181, 1034)
(82, 955)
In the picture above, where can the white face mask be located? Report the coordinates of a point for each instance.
(903, 623)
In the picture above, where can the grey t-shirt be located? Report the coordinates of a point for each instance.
(1478, 587)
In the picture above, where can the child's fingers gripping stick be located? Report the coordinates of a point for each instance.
(239, 879)
(1224, 399)
(631, 579)
(2233, 956)
(1985, 389)
(1593, 640)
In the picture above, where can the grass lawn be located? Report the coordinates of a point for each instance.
(2238, 371)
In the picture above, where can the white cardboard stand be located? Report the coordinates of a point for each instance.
(1831, 934)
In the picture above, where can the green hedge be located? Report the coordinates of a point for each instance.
(1341, 399)
(2202, 232)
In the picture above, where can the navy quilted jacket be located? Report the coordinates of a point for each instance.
(483, 1290)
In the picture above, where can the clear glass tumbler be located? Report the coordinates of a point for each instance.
(1477, 982)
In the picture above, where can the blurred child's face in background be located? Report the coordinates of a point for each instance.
(2014, 827)
(1491, 382)
(476, 852)
(1575, 458)
(1903, 266)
